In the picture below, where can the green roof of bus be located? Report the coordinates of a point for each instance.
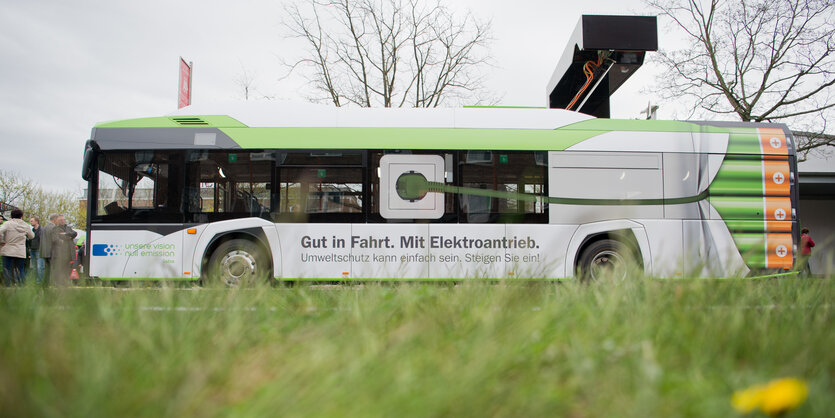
(222, 121)
(414, 137)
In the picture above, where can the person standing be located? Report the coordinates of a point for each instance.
(46, 245)
(35, 260)
(806, 244)
(61, 252)
(13, 235)
(2, 275)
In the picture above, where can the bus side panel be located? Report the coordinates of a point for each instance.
(710, 250)
(547, 256)
(315, 251)
(423, 251)
(605, 175)
(666, 247)
(455, 261)
(381, 250)
(136, 254)
(683, 175)
(693, 248)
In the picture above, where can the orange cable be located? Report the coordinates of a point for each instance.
(589, 72)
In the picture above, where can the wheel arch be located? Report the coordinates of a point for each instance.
(628, 232)
(255, 235)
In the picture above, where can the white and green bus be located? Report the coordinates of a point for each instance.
(307, 192)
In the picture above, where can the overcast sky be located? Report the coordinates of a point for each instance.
(68, 65)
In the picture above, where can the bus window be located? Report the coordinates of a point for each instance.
(228, 185)
(137, 186)
(113, 184)
(517, 176)
(321, 190)
(320, 186)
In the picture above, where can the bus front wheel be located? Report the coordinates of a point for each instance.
(238, 262)
(606, 259)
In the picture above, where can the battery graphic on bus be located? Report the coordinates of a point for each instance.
(753, 195)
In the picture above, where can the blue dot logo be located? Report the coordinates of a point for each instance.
(105, 249)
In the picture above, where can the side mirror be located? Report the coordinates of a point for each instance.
(90, 159)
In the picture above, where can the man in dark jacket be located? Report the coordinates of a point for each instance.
(35, 260)
(46, 245)
(62, 250)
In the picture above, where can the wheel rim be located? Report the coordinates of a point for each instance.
(237, 267)
(608, 264)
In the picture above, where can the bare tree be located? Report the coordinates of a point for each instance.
(761, 60)
(15, 189)
(246, 83)
(25, 194)
(390, 53)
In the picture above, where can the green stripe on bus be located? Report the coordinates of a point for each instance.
(410, 138)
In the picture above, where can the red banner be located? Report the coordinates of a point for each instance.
(184, 96)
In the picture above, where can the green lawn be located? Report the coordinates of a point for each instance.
(642, 348)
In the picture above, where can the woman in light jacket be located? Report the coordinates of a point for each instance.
(13, 235)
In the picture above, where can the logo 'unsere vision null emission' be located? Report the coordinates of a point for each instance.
(135, 250)
(105, 249)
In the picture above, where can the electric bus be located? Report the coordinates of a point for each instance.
(287, 191)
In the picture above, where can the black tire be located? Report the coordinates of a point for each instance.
(237, 263)
(606, 259)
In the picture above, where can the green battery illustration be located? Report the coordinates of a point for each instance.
(745, 226)
(744, 141)
(752, 248)
(739, 207)
(739, 177)
(737, 193)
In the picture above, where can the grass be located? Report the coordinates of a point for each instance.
(639, 348)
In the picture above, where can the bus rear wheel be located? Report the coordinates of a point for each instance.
(606, 259)
(237, 263)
